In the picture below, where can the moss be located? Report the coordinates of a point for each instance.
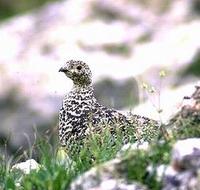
(193, 68)
(9, 8)
(144, 38)
(108, 14)
(122, 49)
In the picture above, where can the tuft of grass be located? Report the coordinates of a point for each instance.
(7, 179)
(185, 128)
(140, 160)
(53, 175)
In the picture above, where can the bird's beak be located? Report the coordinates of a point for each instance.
(62, 69)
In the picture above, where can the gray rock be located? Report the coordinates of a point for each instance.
(186, 154)
(27, 166)
(187, 180)
(108, 176)
(185, 166)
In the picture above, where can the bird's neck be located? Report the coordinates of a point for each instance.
(87, 89)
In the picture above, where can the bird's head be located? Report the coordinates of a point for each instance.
(78, 71)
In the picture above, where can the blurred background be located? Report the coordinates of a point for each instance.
(127, 43)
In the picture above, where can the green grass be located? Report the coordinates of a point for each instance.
(52, 174)
(96, 150)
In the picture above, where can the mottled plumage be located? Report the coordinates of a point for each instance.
(80, 112)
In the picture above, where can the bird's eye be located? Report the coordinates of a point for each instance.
(79, 67)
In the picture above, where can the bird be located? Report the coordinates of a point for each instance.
(81, 113)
